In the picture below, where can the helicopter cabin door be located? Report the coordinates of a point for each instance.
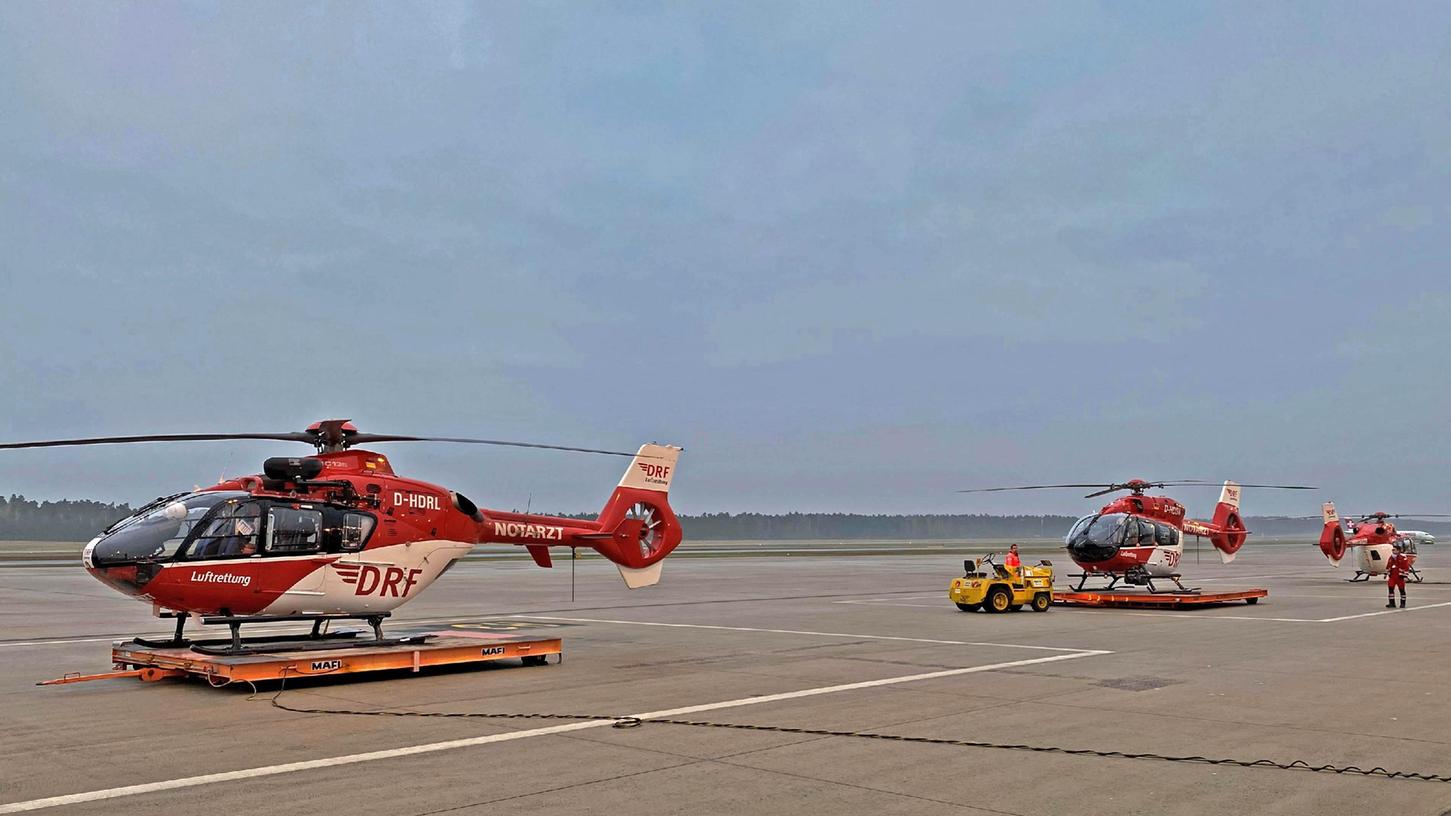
(294, 533)
(345, 535)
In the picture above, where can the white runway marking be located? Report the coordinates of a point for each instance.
(413, 750)
(1383, 612)
(854, 636)
(888, 604)
(923, 596)
(1211, 616)
(1300, 574)
(57, 642)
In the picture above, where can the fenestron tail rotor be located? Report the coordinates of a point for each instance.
(651, 529)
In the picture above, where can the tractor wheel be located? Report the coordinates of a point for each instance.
(1251, 601)
(969, 607)
(998, 600)
(1041, 602)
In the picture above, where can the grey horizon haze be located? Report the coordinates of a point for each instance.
(852, 256)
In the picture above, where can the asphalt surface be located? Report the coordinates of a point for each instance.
(1319, 671)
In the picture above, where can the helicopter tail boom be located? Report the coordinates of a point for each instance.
(636, 529)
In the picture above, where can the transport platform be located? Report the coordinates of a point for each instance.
(1158, 600)
(423, 650)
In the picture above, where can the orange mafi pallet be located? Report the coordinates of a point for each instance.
(1158, 600)
(442, 649)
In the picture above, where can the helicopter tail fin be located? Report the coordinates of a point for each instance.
(642, 528)
(1229, 532)
(1332, 535)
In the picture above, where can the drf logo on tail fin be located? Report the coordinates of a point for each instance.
(657, 474)
(1231, 494)
(368, 579)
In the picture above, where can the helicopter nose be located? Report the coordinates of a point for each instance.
(1087, 552)
(130, 579)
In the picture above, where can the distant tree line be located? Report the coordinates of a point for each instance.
(79, 520)
(753, 526)
(65, 520)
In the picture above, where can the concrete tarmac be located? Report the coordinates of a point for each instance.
(1319, 671)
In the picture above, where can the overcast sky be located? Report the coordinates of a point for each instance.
(852, 256)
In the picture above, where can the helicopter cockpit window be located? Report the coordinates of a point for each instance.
(1164, 535)
(230, 532)
(1100, 537)
(356, 527)
(157, 533)
(293, 530)
(1146, 533)
(1078, 527)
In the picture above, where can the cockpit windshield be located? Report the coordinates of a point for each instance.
(1097, 538)
(157, 533)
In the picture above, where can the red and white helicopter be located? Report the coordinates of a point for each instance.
(339, 535)
(1373, 537)
(1138, 538)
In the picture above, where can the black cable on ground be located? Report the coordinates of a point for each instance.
(635, 722)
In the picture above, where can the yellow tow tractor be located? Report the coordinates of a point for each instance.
(992, 587)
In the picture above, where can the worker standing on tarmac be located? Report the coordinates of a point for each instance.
(1014, 564)
(1396, 569)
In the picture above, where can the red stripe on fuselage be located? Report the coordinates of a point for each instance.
(1127, 558)
(241, 587)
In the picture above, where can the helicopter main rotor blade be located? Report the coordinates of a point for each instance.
(1196, 482)
(364, 439)
(121, 440)
(1369, 516)
(1031, 487)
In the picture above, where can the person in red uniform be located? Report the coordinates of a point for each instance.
(1396, 569)
(1013, 562)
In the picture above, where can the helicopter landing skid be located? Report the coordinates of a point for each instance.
(1414, 576)
(1135, 579)
(282, 645)
(318, 638)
